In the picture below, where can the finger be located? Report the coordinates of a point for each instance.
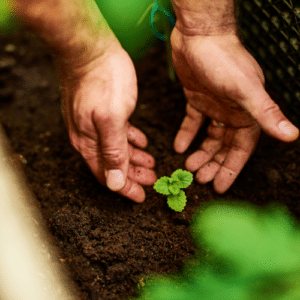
(234, 163)
(133, 191)
(257, 67)
(141, 175)
(136, 137)
(268, 114)
(188, 129)
(141, 158)
(208, 149)
(243, 145)
(207, 172)
(90, 152)
(112, 133)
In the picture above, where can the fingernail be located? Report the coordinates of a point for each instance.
(180, 147)
(114, 180)
(288, 128)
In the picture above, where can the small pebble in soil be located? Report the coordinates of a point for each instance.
(10, 48)
(274, 176)
(6, 63)
(45, 134)
(22, 51)
(44, 83)
(292, 166)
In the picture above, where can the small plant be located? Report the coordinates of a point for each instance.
(172, 187)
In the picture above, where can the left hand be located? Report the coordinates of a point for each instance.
(98, 99)
(222, 81)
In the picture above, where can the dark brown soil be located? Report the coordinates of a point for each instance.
(108, 242)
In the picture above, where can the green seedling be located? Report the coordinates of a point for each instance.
(172, 187)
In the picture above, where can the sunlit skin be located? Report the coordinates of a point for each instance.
(99, 91)
(97, 107)
(222, 81)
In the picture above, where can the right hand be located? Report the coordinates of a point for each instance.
(222, 81)
(97, 99)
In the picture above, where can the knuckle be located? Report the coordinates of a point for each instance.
(86, 149)
(87, 154)
(193, 113)
(82, 120)
(74, 140)
(113, 157)
(108, 115)
(101, 116)
(265, 107)
(269, 107)
(131, 106)
(176, 40)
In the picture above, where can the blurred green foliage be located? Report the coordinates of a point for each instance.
(245, 253)
(7, 22)
(130, 21)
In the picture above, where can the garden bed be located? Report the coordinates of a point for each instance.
(106, 241)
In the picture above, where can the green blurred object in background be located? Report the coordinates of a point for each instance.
(7, 22)
(130, 22)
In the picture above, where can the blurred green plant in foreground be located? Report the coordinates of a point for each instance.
(7, 22)
(245, 253)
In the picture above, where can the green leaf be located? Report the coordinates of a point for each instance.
(174, 188)
(177, 202)
(173, 179)
(162, 185)
(185, 177)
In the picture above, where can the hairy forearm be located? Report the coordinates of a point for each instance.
(206, 17)
(72, 28)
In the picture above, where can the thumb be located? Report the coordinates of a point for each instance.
(114, 151)
(269, 116)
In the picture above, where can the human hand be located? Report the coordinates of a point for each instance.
(222, 81)
(97, 100)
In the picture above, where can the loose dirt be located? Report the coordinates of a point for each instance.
(107, 242)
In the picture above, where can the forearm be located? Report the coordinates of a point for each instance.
(72, 28)
(206, 17)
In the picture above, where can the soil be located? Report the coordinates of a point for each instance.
(109, 243)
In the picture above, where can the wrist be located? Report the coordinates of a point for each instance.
(204, 17)
(74, 30)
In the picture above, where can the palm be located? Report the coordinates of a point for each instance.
(212, 78)
(97, 104)
(225, 151)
